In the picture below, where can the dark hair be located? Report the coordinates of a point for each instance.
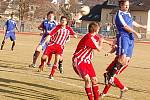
(50, 12)
(63, 17)
(12, 14)
(121, 2)
(93, 27)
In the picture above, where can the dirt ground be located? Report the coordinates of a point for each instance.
(19, 82)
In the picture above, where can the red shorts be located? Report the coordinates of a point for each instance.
(54, 49)
(82, 68)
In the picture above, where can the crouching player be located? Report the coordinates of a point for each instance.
(82, 59)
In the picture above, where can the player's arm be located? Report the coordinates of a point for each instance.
(97, 45)
(108, 42)
(73, 33)
(131, 30)
(5, 26)
(139, 25)
(17, 28)
(40, 27)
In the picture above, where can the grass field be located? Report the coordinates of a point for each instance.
(19, 82)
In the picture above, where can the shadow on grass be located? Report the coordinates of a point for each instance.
(33, 91)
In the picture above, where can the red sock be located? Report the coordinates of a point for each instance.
(89, 93)
(118, 83)
(107, 87)
(53, 70)
(43, 62)
(49, 58)
(96, 92)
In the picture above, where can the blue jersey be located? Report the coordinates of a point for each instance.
(125, 40)
(122, 19)
(10, 25)
(48, 26)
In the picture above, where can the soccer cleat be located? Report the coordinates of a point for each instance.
(32, 65)
(125, 89)
(51, 77)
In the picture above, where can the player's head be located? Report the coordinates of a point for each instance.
(50, 15)
(63, 20)
(124, 5)
(12, 15)
(93, 27)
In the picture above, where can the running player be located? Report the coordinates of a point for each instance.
(10, 31)
(46, 26)
(61, 32)
(125, 45)
(82, 59)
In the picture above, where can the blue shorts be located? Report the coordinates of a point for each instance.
(125, 46)
(11, 35)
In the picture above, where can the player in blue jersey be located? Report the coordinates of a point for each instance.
(9, 30)
(46, 26)
(124, 48)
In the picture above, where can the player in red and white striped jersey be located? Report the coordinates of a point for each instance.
(61, 32)
(82, 59)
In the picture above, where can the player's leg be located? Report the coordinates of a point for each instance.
(57, 57)
(111, 71)
(13, 44)
(49, 59)
(81, 70)
(106, 90)
(88, 87)
(36, 55)
(47, 52)
(60, 66)
(107, 78)
(2, 45)
(95, 86)
(13, 39)
(43, 60)
(4, 40)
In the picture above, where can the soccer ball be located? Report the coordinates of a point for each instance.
(85, 10)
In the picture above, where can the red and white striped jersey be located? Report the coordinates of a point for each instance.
(84, 50)
(60, 35)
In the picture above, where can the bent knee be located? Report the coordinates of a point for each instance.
(94, 80)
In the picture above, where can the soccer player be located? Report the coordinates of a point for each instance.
(61, 33)
(124, 48)
(82, 59)
(9, 30)
(46, 26)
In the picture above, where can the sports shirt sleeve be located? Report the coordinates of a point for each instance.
(71, 31)
(92, 43)
(54, 30)
(121, 19)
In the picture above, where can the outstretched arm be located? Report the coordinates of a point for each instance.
(139, 25)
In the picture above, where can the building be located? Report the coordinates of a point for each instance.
(105, 12)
